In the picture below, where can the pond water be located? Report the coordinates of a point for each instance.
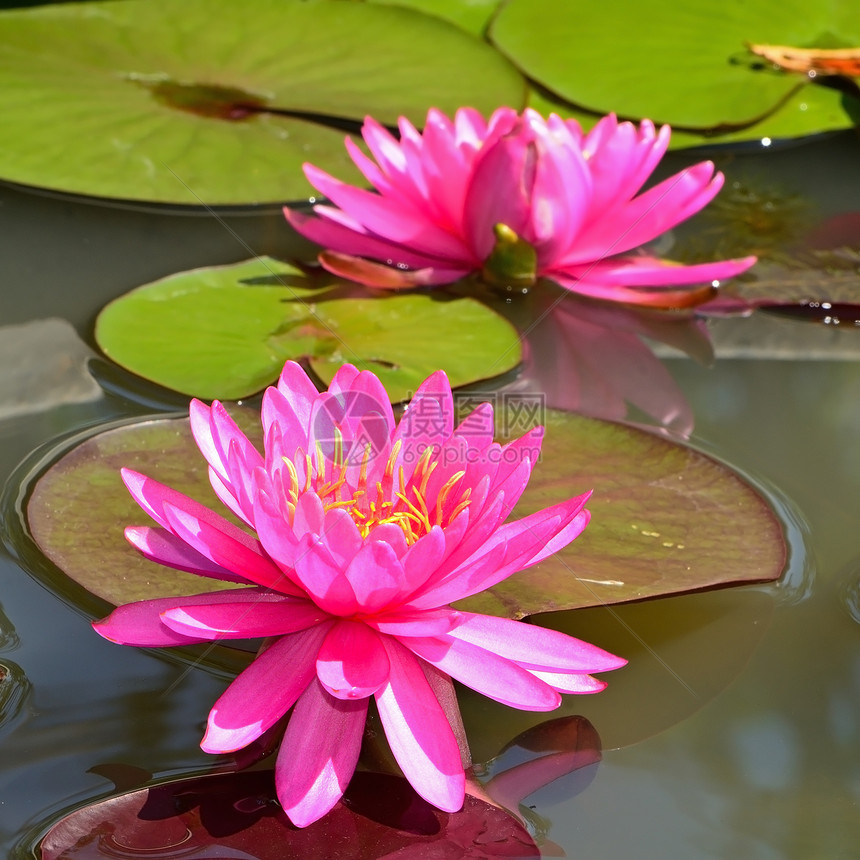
(735, 731)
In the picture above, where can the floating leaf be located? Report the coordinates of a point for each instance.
(226, 332)
(685, 64)
(665, 519)
(216, 102)
(236, 815)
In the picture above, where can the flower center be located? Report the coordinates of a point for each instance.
(402, 503)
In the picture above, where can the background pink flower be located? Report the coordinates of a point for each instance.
(366, 531)
(514, 199)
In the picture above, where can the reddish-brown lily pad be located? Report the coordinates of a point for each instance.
(236, 816)
(665, 519)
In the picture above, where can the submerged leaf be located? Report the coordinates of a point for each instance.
(225, 332)
(236, 815)
(215, 102)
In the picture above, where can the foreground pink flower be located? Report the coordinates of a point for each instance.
(366, 532)
(514, 199)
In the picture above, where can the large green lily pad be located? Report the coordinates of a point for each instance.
(218, 102)
(685, 64)
(665, 519)
(225, 332)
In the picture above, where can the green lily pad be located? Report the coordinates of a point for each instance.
(225, 332)
(683, 64)
(217, 102)
(665, 519)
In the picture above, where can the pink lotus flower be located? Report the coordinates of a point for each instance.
(365, 533)
(514, 199)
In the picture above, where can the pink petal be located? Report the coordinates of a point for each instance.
(393, 220)
(489, 674)
(163, 547)
(227, 451)
(382, 276)
(342, 537)
(419, 733)
(276, 536)
(534, 647)
(635, 222)
(244, 556)
(521, 543)
(310, 515)
(318, 754)
(332, 230)
(576, 682)
(641, 271)
(225, 495)
(427, 421)
(560, 198)
(375, 575)
(352, 663)
(152, 496)
(261, 615)
(500, 190)
(428, 622)
(265, 691)
(140, 623)
(422, 559)
(655, 297)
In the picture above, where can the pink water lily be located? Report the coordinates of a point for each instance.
(516, 198)
(366, 531)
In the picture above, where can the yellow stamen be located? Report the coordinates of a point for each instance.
(406, 506)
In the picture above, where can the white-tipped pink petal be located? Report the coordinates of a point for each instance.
(264, 691)
(243, 555)
(163, 547)
(534, 647)
(489, 674)
(318, 754)
(250, 616)
(571, 682)
(419, 733)
(140, 623)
